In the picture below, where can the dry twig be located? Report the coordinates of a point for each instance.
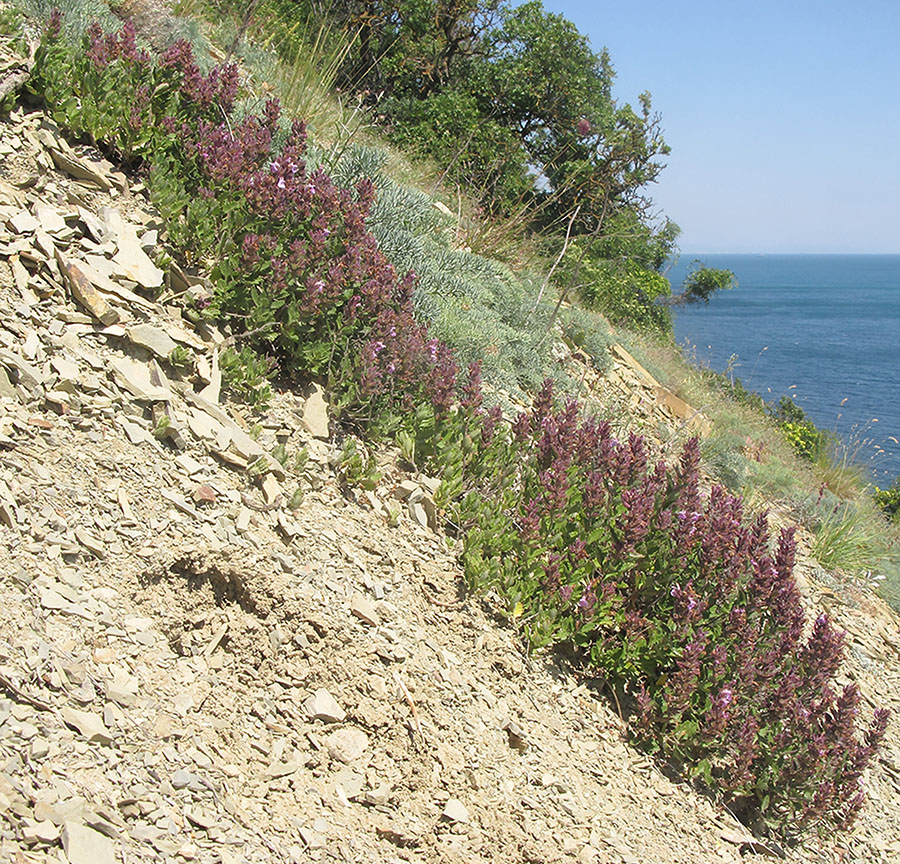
(21, 696)
(412, 706)
(16, 74)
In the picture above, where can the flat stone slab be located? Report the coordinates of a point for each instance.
(90, 725)
(321, 705)
(134, 263)
(153, 339)
(85, 294)
(135, 378)
(84, 845)
(315, 414)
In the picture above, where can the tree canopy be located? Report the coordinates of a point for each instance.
(518, 108)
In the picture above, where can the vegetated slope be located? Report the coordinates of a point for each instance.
(172, 614)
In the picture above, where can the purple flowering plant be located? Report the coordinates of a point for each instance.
(110, 91)
(673, 596)
(288, 250)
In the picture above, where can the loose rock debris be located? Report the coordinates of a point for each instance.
(190, 670)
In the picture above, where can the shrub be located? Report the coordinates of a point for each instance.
(701, 282)
(625, 291)
(808, 441)
(246, 375)
(356, 468)
(671, 595)
(12, 41)
(888, 500)
(475, 150)
(291, 258)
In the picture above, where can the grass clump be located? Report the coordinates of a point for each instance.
(590, 332)
(849, 537)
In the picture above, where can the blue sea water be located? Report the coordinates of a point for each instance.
(824, 329)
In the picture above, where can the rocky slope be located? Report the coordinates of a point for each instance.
(208, 655)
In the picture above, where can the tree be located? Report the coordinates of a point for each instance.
(628, 234)
(541, 79)
(474, 150)
(517, 107)
(701, 282)
(411, 47)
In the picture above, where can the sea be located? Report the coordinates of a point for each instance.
(823, 329)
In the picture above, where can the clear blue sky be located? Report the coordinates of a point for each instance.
(783, 116)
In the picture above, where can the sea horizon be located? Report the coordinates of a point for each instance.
(693, 255)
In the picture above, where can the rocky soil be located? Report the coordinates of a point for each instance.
(212, 650)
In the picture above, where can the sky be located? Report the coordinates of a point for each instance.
(783, 116)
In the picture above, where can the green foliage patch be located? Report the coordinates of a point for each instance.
(808, 441)
(701, 282)
(622, 289)
(888, 500)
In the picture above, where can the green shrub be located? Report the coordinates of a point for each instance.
(888, 500)
(246, 375)
(623, 290)
(450, 128)
(808, 441)
(701, 282)
(734, 389)
(12, 40)
(356, 468)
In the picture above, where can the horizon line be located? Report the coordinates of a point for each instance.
(681, 254)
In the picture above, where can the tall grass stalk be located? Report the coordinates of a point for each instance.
(847, 459)
(311, 58)
(299, 63)
(849, 540)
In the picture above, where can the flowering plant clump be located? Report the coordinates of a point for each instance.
(112, 93)
(673, 596)
(289, 251)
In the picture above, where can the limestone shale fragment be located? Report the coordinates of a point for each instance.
(85, 294)
(15, 74)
